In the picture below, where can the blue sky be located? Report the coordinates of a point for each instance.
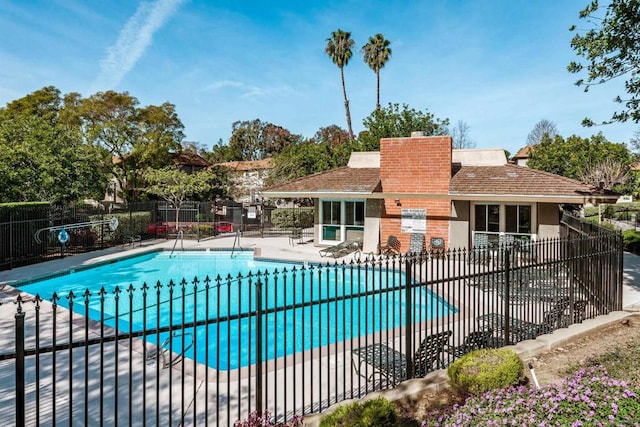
(500, 65)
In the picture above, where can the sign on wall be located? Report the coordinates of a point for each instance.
(413, 221)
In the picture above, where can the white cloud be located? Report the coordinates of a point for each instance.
(222, 84)
(134, 38)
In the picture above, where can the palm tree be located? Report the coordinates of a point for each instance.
(339, 49)
(376, 54)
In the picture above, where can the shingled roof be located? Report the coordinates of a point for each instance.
(504, 182)
(340, 180)
(513, 179)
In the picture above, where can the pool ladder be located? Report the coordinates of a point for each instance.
(163, 350)
(236, 240)
(178, 237)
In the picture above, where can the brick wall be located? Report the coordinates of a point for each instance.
(419, 165)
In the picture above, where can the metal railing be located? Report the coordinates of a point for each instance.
(284, 341)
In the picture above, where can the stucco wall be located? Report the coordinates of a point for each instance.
(459, 228)
(548, 220)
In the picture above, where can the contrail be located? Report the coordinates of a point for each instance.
(134, 38)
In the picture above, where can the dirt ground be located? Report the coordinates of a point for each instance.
(548, 367)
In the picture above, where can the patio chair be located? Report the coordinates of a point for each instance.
(480, 252)
(295, 236)
(130, 237)
(341, 249)
(580, 311)
(392, 247)
(392, 364)
(520, 330)
(436, 247)
(416, 244)
(474, 341)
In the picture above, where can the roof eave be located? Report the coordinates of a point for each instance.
(561, 198)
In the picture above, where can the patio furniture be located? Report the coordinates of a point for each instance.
(341, 249)
(580, 311)
(130, 237)
(392, 247)
(520, 330)
(391, 364)
(474, 341)
(295, 236)
(416, 244)
(480, 251)
(436, 247)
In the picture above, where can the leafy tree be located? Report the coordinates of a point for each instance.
(339, 50)
(256, 140)
(611, 47)
(333, 135)
(571, 157)
(543, 128)
(300, 160)
(136, 137)
(376, 54)
(43, 153)
(393, 122)
(176, 186)
(460, 135)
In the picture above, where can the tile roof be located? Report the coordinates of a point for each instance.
(523, 153)
(189, 159)
(513, 179)
(248, 165)
(468, 183)
(340, 180)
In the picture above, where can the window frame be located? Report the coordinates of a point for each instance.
(344, 225)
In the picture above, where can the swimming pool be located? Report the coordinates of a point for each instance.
(303, 307)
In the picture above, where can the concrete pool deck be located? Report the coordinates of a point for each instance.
(268, 247)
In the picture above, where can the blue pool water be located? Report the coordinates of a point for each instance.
(320, 308)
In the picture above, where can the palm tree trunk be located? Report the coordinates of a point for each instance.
(346, 104)
(378, 91)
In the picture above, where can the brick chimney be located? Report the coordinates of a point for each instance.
(420, 165)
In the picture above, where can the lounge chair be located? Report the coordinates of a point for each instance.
(341, 249)
(392, 364)
(520, 330)
(474, 341)
(392, 247)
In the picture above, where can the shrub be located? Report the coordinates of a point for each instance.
(287, 217)
(203, 229)
(631, 240)
(265, 420)
(370, 413)
(588, 398)
(486, 369)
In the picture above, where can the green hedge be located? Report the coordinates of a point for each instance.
(292, 217)
(129, 224)
(486, 369)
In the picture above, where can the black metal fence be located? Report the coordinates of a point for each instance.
(40, 232)
(209, 351)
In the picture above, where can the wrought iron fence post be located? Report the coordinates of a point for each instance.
(20, 386)
(408, 319)
(507, 298)
(259, 346)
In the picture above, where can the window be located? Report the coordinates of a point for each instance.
(517, 219)
(494, 219)
(342, 220)
(487, 218)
